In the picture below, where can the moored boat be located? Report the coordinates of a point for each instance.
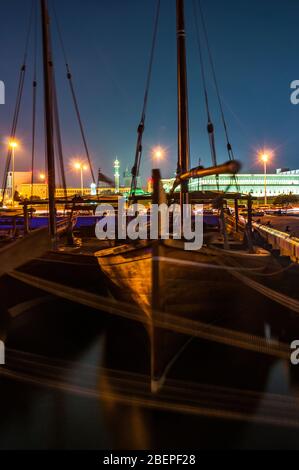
(161, 276)
(164, 280)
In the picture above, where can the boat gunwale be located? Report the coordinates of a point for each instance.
(120, 249)
(260, 253)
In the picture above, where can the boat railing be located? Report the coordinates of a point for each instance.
(282, 241)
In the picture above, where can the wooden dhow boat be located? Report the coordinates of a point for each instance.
(165, 281)
(160, 276)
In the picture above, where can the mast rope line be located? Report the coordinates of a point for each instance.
(34, 93)
(278, 297)
(140, 130)
(73, 93)
(212, 65)
(18, 102)
(210, 125)
(13, 129)
(229, 147)
(57, 134)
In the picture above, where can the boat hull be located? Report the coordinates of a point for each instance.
(163, 279)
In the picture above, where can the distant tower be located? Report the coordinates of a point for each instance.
(116, 166)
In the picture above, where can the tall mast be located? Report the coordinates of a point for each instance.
(183, 125)
(48, 100)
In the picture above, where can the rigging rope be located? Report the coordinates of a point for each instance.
(58, 137)
(18, 105)
(73, 94)
(57, 133)
(34, 85)
(140, 129)
(229, 147)
(219, 99)
(210, 126)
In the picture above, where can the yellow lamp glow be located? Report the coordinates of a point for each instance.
(158, 153)
(13, 144)
(80, 166)
(265, 157)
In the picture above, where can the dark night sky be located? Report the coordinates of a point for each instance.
(256, 52)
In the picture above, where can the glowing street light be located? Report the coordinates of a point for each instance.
(265, 158)
(13, 145)
(81, 167)
(158, 153)
(42, 176)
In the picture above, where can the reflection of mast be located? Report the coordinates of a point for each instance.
(116, 166)
(48, 97)
(183, 126)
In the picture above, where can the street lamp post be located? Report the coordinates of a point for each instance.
(82, 183)
(13, 145)
(265, 158)
(81, 167)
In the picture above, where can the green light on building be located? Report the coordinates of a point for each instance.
(282, 182)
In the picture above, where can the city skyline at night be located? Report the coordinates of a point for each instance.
(109, 67)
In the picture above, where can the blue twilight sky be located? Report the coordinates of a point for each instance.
(255, 44)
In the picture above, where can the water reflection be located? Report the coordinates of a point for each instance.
(82, 381)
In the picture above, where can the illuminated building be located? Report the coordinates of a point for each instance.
(40, 191)
(17, 179)
(282, 182)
